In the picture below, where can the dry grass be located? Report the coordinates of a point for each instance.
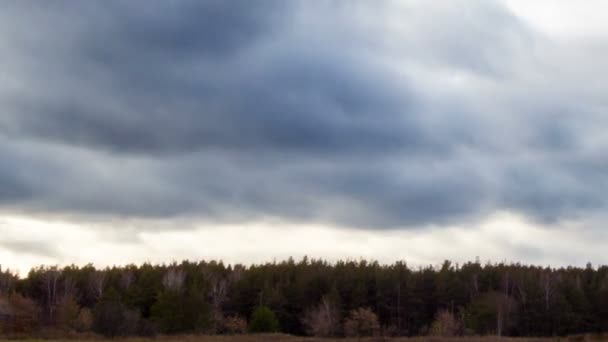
(288, 338)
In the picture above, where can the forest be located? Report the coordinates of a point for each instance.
(308, 298)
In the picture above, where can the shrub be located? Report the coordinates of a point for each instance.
(112, 319)
(131, 322)
(84, 321)
(67, 313)
(446, 325)
(263, 320)
(28, 314)
(147, 328)
(389, 331)
(108, 318)
(361, 322)
(176, 312)
(322, 320)
(491, 313)
(235, 325)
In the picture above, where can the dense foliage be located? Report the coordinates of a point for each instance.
(263, 320)
(311, 297)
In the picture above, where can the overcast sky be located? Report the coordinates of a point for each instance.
(248, 131)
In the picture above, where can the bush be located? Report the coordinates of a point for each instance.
(263, 320)
(147, 328)
(491, 313)
(176, 313)
(67, 314)
(446, 325)
(131, 323)
(112, 319)
(389, 331)
(361, 322)
(28, 314)
(108, 318)
(235, 325)
(322, 320)
(84, 321)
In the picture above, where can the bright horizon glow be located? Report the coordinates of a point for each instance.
(566, 19)
(504, 237)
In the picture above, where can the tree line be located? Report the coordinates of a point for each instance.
(307, 297)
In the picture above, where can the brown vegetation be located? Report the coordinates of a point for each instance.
(446, 324)
(18, 314)
(234, 325)
(289, 338)
(323, 320)
(306, 298)
(361, 322)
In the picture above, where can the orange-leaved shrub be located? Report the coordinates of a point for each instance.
(446, 324)
(361, 322)
(234, 325)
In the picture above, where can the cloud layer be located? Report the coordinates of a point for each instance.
(353, 114)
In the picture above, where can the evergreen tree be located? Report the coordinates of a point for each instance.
(263, 320)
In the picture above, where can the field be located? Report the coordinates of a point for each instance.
(288, 338)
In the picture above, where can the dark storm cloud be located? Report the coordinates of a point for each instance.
(243, 110)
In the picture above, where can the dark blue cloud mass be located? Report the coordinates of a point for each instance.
(353, 113)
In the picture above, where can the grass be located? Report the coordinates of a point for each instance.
(288, 338)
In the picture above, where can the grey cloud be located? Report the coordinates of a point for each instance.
(303, 111)
(28, 246)
(11, 187)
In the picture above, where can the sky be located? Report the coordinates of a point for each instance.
(251, 131)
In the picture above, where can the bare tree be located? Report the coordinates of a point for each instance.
(521, 292)
(475, 284)
(506, 302)
(174, 279)
(361, 322)
(97, 283)
(67, 313)
(548, 282)
(237, 273)
(218, 294)
(218, 291)
(127, 278)
(50, 279)
(7, 281)
(70, 290)
(505, 306)
(446, 324)
(322, 320)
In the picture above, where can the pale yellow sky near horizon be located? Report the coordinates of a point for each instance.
(502, 236)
